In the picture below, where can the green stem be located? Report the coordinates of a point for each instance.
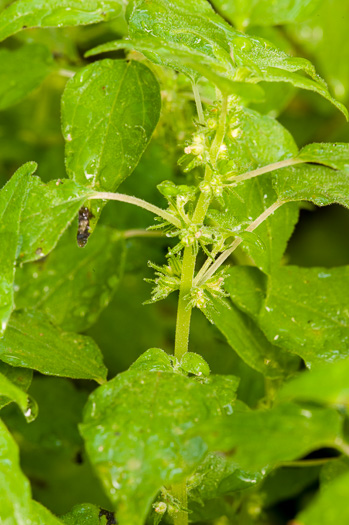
(221, 129)
(138, 202)
(198, 104)
(266, 169)
(179, 491)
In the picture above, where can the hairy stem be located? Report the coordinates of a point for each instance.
(202, 277)
(179, 491)
(138, 202)
(221, 129)
(266, 169)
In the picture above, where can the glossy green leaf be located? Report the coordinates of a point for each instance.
(194, 364)
(32, 342)
(22, 70)
(88, 277)
(16, 503)
(13, 197)
(318, 184)
(330, 506)
(249, 342)
(109, 111)
(244, 13)
(247, 287)
(135, 428)
(189, 61)
(335, 155)
(328, 384)
(23, 14)
(11, 392)
(49, 210)
(261, 438)
(196, 26)
(85, 513)
(306, 312)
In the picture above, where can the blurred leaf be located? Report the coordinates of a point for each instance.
(13, 197)
(31, 341)
(286, 432)
(105, 133)
(72, 286)
(243, 13)
(22, 14)
(11, 392)
(246, 286)
(328, 384)
(19, 377)
(49, 210)
(334, 155)
(194, 364)
(135, 429)
(16, 503)
(306, 312)
(249, 342)
(330, 506)
(86, 513)
(22, 70)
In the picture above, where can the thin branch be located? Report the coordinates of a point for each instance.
(128, 234)
(138, 202)
(66, 73)
(198, 104)
(201, 278)
(266, 169)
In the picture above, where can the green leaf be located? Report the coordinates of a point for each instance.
(330, 506)
(13, 197)
(194, 364)
(247, 287)
(189, 61)
(32, 342)
(23, 14)
(306, 312)
(327, 384)
(22, 70)
(318, 184)
(265, 438)
(49, 210)
(109, 112)
(334, 155)
(19, 377)
(244, 13)
(135, 428)
(249, 342)
(10, 391)
(16, 503)
(197, 27)
(72, 286)
(85, 513)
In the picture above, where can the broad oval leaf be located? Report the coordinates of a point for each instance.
(22, 70)
(136, 427)
(72, 286)
(109, 112)
(23, 14)
(13, 197)
(33, 342)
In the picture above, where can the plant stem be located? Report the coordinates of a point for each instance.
(198, 104)
(266, 169)
(202, 277)
(219, 137)
(128, 234)
(138, 202)
(179, 491)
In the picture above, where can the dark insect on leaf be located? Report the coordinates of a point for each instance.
(84, 226)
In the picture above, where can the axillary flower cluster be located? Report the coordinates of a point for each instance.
(207, 149)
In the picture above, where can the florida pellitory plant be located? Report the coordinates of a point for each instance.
(170, 441)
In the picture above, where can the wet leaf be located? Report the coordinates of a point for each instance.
(306, 312)
(85, 513)
(33, 342)
(135, 429)
(194, 364)
(13, 197)
(335, 155)
(244, 13)
(88, 277)
(20, 377)
(23, 14)
(11, 392)
(109, 112)
(49, 210)
(22, 70)
(287, 432)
